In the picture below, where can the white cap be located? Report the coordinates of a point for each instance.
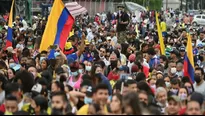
(37, 88)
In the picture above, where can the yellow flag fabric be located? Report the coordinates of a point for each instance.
(162, 47)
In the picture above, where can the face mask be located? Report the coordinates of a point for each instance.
(80, 71)
(197, 78)
(174, 91)
(153, 87)
(99, 41)
(173, 70)
(88, 100)
(190, 90)
(75, 74)
(193, 44)
(56, 54)
(11, 65)
(42, 58)
(183, 96)
(88, 68)
(168, 84)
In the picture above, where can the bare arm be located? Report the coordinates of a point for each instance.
(82, 45)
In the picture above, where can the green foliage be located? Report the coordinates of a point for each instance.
(153, 4)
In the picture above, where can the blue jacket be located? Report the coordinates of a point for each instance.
(107, 82)
(154, 62)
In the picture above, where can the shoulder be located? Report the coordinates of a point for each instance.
(83, 110)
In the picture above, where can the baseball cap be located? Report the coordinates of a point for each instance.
(175, 98)
(90, 91)
(37, 88)
(182, 49)
(132, 57)
(135, 68)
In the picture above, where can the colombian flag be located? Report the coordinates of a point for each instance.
(58, 27)
(162, 47)
(189, 61)
(9, 33)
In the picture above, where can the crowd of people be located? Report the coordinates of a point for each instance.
(111, 66)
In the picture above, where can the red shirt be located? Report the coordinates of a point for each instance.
(112, 76)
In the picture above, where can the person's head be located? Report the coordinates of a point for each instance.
(175, 85)
(57, 87)
(44, 64)
(102, 52)
(189, 87)
(131, 104)
(118, 47)
(199, 75)
(193, 108)
(59, 102)
(81, 68)
(172, 67)
(183, 93)
(167, 81)
(74, 67)
(101, 94)
(143, 97)
(161, 95)
(174, 105)
(93, 109)
(132, 85)
(142, 85)
(25, 79)
(202, 35)
(30, 62)
(88, 66)
(159, 75)
(11, 73)
(96, 69)
(11, 104)
(179, 66)
(14, 89)
(40, 104)
(144, 47)
(33, 70)
(160, 83)
(151, 52)
(116, 103)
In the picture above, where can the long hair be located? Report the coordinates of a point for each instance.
(133, 101)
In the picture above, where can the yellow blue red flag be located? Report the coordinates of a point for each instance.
(10, 23)
(58, 26)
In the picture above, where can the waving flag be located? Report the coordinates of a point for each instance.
(189, 61)
(9, 33)
(58, 27)
(162, 47)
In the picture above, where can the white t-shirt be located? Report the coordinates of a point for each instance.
(200, 88)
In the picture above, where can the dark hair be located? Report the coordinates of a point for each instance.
(117, 86)
(12, 87)
(200, 69)
(60, 93)
(33, 62)
(151, 51)
(130, 82)
(86, 77)
(140, 77)
(42, 102)
(100, 87)
(83, 65)
(142, 85)
(175, 81)
(160, 83)
(27, 80)
(11, 97)
(44, 52)
(185, 89)
(119, 97)
(59, 85)
(3, 80)
(3, 65)
(133, 100)
(26, 52)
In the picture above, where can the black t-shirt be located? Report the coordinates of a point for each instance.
(124, 17)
